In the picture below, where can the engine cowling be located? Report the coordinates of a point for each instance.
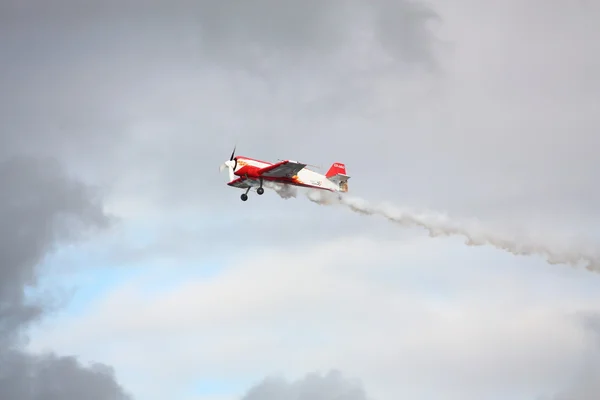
(248, 170)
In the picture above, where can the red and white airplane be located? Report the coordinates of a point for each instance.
(246, 173)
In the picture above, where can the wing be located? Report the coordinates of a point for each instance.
(239, 183)
(284, 169)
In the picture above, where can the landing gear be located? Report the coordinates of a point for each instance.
(260, 190)
(244, 196)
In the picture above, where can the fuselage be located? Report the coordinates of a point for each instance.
(248, 167)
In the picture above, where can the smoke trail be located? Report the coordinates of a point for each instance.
(284, 191)
(440, 225)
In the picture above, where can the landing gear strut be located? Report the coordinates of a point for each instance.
(244, 196)
(260, 191)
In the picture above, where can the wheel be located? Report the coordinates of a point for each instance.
(244, 197)
(260, 190)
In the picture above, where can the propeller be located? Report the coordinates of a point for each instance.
(231, 163)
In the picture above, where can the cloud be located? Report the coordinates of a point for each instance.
(288, 31)
(245, 33)
(36, 377)
(502, 128)
(585, 384)
(498, 131)
(142, 108)
(330, 386)
(41, 207)
(396, 313)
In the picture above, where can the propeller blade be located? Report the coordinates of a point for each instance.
(232, 153)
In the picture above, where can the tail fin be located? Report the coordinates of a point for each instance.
(337, 174)
(336, 168)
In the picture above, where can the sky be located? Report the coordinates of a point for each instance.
(130, 270)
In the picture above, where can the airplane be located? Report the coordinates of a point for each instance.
(247, 173)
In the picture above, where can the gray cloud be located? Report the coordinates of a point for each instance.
(144, 95)
(50, 377)
(330, 386)
(40, 207)
(585, 384)
(152, 105)
(147, 98)
(145, 108)
(289, 31)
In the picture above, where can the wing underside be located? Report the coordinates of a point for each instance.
(284, 169)
(239, 183)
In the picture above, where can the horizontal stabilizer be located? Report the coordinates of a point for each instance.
(337, 178)
(341, 180)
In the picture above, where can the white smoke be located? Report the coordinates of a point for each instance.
(284, 191)
(438, 224)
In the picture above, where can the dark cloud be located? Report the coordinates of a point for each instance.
(289, 31)
(40, 207)
(331, 386)
(142, 95)
(148, 98)
(50, 377)
(403, 30)
(154, 103)
(248, 31)
(47, 114)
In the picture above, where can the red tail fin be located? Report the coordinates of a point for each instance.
(336, 168)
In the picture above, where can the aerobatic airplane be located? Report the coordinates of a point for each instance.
(247, 173)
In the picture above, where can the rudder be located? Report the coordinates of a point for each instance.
(335, 169)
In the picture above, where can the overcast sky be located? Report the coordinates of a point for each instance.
(122, 245)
